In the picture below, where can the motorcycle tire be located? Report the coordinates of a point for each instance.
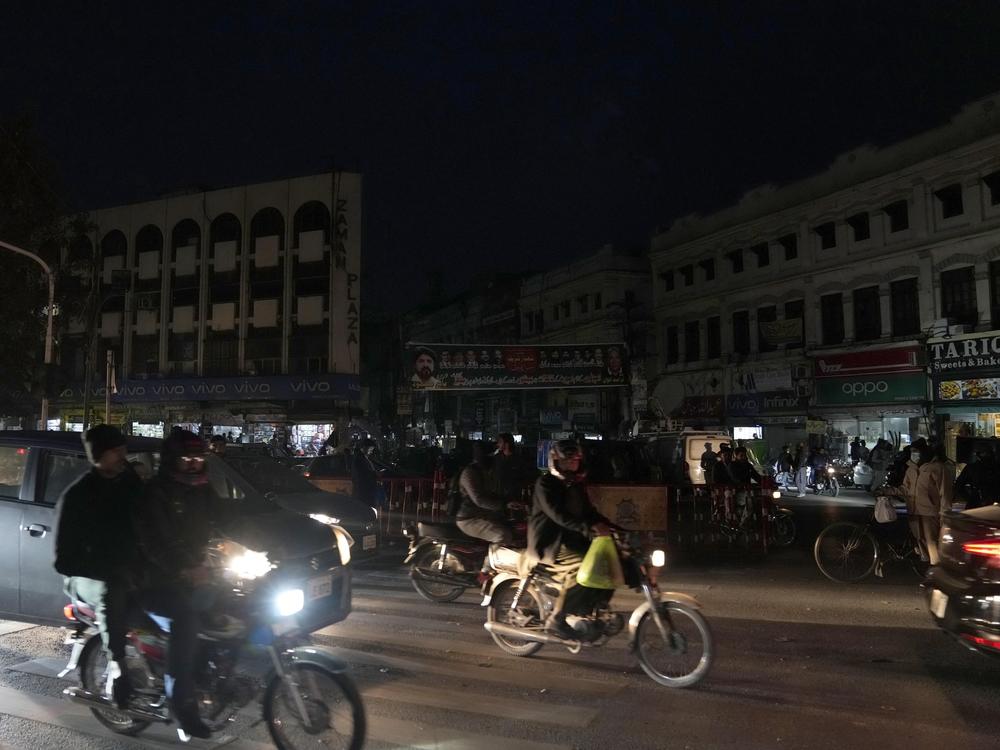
(277, 705)
(834, 487)
(783, 530)
(430, 560)
(499, 611)
(846, 552)
(685, 625)
(93, 670)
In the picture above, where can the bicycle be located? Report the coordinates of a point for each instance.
(849, 552)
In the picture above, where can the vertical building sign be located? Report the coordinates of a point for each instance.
(345, 281)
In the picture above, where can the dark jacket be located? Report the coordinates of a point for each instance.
(561, 514)
(175, 523)
(743, 472)
(363, 479)
(785, 462)
(95, 537)
(477, 500)
(722, 473)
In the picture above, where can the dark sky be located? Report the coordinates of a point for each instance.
(500, 136)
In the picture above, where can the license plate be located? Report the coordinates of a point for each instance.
(319, 587)
(939, 603)
(368, 542)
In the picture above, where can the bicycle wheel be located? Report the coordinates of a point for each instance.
(846, 552)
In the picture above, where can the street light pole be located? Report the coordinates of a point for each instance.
(48, 324)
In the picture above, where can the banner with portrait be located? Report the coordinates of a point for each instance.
(482, 367)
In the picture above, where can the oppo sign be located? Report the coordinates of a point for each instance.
(864, 387)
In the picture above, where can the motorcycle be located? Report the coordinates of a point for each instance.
(444, 561)
(781, 528)
(666, 625)
(825, 482)
(307, 697)
(844, 471)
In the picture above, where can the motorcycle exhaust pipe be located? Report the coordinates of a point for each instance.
(509, 631)
(93, 700)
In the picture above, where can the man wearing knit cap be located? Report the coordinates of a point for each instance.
(96, 545)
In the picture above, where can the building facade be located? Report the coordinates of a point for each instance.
(231, 307)
(810, 308)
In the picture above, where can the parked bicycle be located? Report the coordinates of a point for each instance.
(848, 552)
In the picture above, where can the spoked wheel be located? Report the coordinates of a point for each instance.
(334, 714)
(846, 552)
(782, 530)
(429, 563)
(94, 677)
(527, 615)
(681, 653)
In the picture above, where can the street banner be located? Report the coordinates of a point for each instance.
(483, 367)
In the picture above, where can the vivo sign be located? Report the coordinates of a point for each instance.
(338, 386)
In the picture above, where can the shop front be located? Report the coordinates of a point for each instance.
(776, 418)
(965, 379)
(872, 394)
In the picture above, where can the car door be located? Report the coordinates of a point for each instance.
(42, 596)
(13, 466)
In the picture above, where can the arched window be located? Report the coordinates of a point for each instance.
(186, 233)
(114, 243)
(268, 222)
(149, 240)
(312, 216)
(225, 228)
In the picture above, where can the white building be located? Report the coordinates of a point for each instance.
(817, 299)
(242, 301)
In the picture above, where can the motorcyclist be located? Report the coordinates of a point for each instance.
(562, 524)
(481, 512)
(177, 518)
(96, 547)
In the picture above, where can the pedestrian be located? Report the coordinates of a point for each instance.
(783, 467)
(802, 469)
(507, 477)
(879, 460)
(708, 461)
(855, 450)
(722, 471)
(865, 453)
(933, 494)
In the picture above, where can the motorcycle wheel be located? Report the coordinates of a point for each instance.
(684, 657)
(336, 713)
(528, 608)
(782, 530)
(93, 668)
(834, 487)
(430, 561)
(845, 552)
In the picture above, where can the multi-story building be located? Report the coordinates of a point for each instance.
(228, 307)
(818, 300)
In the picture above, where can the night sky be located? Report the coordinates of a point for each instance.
(492, 137)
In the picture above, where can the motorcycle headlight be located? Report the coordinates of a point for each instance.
(776, 495)
(248, 564)
(830, 470)
(289, 602)
(658, 558)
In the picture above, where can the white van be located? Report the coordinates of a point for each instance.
(680, 452)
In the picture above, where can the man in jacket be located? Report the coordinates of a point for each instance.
(783, 467)
(562, 524)
(933, 494)
(802, 460)
(364, 479)
(506, 471)
(481, 512)
(179, 515)
(879, 459)
(708, 461)
(96, 546)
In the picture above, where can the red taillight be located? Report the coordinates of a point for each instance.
(68, 612)
(983, 549)
(306, 474)
(22, 451)
(979, 641)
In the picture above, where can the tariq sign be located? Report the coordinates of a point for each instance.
(973, 353)
(279, 387)
(483, 367)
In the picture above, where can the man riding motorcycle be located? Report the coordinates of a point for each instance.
(561, 526)
(178, 516)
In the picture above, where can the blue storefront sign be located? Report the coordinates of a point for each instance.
(342, 387)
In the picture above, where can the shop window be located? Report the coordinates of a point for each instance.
(867, 314)
(688, 273)
(767, 314)
(832, 318)
(860, 227)
(671, 345)
(736, 260)
(950, 201)
(795, 310)
(827, 234)
(692, 341)
(992, 182)
(741, 332)
(905, 306)
(713, 337)
(958, 296)
(763, 253)
(899, 216)
(790, 242)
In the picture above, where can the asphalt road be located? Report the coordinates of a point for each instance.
(801, 663)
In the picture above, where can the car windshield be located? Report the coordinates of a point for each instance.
(266, 475)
